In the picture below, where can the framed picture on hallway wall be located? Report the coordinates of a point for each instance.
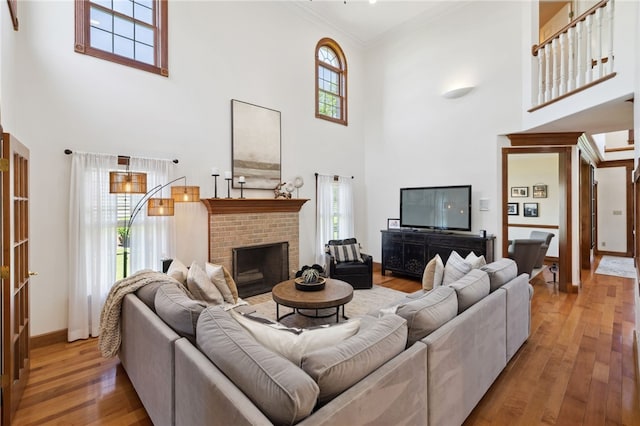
(530, 209)
(519, 191)
(513, 209)
(255, 152)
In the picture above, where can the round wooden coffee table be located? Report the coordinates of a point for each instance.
(335, 294)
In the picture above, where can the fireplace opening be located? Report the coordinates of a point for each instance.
(256, 269)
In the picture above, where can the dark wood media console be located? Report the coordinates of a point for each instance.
(408, 251)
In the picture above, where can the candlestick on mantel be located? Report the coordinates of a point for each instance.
(215, 173)
(228, 186)
(228, 175)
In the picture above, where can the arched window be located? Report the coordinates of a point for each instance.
(331, 82)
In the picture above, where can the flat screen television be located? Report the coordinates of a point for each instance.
(436, 207)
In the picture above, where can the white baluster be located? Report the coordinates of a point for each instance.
(572, 72)
(562, 86)
(547, 74)
(589, 60)
(555, 81)
(579, 59)
(540, 76)
(598, 68)
(610, 8)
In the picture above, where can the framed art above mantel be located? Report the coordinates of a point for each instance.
(255, 145)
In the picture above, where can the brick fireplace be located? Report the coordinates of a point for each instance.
(235, 223)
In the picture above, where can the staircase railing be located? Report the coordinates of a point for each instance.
(576, 57)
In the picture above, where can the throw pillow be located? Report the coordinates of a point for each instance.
(337, 368)
(346, 253)
(475, 261)
(293, 343)
(231, 283)
(428, 313)
(201, 287)
(281, 390)
(216, 276)
(178, 271)
(433, 273)
(455, 268)
(471, 288)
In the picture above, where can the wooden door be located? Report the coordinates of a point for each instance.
(15, 274)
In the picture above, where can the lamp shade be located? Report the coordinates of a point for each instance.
(160, 207)
(127, 183)
(185, 194)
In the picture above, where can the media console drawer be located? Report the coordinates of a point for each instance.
(407, 251)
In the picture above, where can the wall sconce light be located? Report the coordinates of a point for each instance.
(457, 92)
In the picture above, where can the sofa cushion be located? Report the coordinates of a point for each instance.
(178, 310)
(500, 272)
(293, 343)
(471, 288)
(178, 271)
(215, 273)
(455, 268)
(427, 313)
(337, 368)
(346, 252)
(281, 390)
(433, 273)
(148, 292)
(201, 286)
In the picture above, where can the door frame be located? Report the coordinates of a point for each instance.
(547, 143)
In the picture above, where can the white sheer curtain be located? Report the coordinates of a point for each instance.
(92, 241)
(151, 238)
(334, 200)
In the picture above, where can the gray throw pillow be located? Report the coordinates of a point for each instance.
(500, 272)
(471, 288)
(337, 368)
(428, 313)
(455, 268)
(281, 390)
(178, 310)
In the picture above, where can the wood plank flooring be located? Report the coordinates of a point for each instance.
(577, 368)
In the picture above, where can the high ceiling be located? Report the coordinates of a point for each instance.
(364, 21)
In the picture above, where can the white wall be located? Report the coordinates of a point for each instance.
(612, 209)
(526, 170)
(257, 52)
(415, 137)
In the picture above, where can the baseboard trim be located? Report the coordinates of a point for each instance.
(46, 339)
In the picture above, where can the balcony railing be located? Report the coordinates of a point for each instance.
(576, 57)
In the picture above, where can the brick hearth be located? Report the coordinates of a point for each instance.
(238, 223)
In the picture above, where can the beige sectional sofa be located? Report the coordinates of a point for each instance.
(459, 340)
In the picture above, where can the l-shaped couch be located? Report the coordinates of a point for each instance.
(437, 380)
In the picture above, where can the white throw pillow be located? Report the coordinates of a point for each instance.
(475, 261)
(293, 344)
(178, 271)
(433, 273)
(455, 268)
(216, 276)
(201, 287)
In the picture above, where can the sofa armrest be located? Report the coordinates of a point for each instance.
(518, 310)
(147, 355)
(394, 394)
(205, 395)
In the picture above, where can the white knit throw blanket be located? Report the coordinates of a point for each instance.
(109, 340)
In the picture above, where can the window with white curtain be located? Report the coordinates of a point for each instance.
(93, 235)
(334, 211)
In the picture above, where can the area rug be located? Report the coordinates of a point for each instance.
(616, 266)
(363, 301)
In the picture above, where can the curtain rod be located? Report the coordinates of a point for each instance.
(335, 177)
(123, 157)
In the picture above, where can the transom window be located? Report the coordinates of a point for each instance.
(129, 32)
(331, 82)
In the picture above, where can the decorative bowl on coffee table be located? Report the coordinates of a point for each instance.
(314, 286)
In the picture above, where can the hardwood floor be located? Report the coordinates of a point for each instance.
(577, 368)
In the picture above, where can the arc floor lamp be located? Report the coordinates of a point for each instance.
(127, 182)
